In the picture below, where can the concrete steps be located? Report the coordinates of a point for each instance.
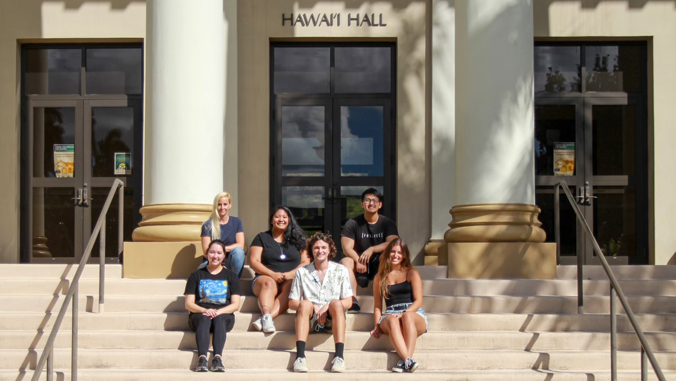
(479, 329)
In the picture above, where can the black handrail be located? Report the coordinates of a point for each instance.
(48, 351)
(615, 288)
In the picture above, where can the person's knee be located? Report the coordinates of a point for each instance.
(347, 262)
(238, 253)
(306, 308)
(336, 308)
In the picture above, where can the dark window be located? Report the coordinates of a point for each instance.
(53, 71)
(302, 70)
(114, 71)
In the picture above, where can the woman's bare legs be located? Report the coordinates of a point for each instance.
(391, 326)
(265, 289)
(281, 303)
(413, 325)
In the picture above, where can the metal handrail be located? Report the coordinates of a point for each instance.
(615, 290)
(99, 229)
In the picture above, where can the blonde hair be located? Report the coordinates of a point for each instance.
(386, 266)
(215, 218)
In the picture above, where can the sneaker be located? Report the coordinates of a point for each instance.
(355, 308)
(268, 325)
(399, 368)
(300, 365)
(338, 365)
(362, 280)
(410, 365)
(217, 364)
(202, 365)
(257, 324)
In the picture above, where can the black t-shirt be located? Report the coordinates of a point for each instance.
(366, 235)
(213, 290)
(278, 257)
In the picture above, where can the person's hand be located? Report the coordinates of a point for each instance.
(279, 277)
(376, 332)
(366, 256)
(212, 313)
(322, 314)
(361, 268)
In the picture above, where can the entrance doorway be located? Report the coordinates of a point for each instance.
(593, 134)
(76, 145)
(332, 130)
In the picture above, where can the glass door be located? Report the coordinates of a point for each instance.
(78, 148)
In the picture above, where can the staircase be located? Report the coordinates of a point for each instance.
(479, 329)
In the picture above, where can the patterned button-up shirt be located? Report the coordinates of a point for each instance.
(336, 285)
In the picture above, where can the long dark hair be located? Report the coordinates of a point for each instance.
(294, 234)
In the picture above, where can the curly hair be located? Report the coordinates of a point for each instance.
(319, 236)
(386, 265)
(294, 234)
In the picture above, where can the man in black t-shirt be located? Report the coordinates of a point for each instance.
(364, 238)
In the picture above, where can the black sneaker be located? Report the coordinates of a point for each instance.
(362, 280)
(410, 365)
(355, 307)
(217, 364)
(202, 365)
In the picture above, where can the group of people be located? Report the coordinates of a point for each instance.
(294, 272)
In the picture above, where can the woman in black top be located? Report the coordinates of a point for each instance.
(275, 255)
(403, 320)
(212, 296)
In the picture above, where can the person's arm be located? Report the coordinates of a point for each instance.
(255, 255)
(205, 244)
(232, 307)
(304, 261)
(377, 249)
(348, 248)
(239, 242)
(377, 307)
(413, 276)
(191, 306)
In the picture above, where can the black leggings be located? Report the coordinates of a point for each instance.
(203, 326)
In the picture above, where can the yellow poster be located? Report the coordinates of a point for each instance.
(564, 159)
(64, 160)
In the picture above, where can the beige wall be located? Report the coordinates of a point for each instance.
(655, 22)
(261, 21)
(34, 21)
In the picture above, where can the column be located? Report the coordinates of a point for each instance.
(495, 232)
(190, 88)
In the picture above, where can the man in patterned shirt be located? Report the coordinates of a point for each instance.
(321, 294)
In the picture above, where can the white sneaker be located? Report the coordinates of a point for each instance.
(338, 365)
(300, 365)
(257, 324)
(268, 325)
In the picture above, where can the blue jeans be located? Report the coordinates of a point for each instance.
(234, 261)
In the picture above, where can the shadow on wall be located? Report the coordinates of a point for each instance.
(185, 262)
(672, 261)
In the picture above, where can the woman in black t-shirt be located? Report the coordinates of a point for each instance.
(275, 255)
(212, 296)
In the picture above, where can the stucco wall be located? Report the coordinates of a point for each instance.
(261, 21)
(45, 21)
(655, 22)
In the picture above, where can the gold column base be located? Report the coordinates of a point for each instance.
(40, 249)
(171, 222)
(495, 223)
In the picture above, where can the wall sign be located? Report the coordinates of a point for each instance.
(564, 159)
(64, 160)
(333, 19)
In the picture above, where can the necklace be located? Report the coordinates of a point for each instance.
(282, 256)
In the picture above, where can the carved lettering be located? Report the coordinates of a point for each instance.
(312, 19)
(366, 20)
(332, 19)
(284, 19)
(350, 19)
(338, 19)
(325, 19)
(299, 19)
(381, 20)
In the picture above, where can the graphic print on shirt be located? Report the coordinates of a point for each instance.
(213, 291)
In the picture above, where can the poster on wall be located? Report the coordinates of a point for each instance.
(64, 160)
(564, 159)
(122, 163)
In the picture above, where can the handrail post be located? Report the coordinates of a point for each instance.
(557, 221)
(102, 263)
(644, 365)
(74, 330)
(613, 335)
(50, 366)
(120, 220)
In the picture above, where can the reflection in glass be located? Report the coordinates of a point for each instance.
(553, 124)
(544, 199)
(361, 141)
(303, 141)
(615, 220)
(351, 201)
(302, 70)
(557, 69)
(98, 196)
(112, 131)
(307, 205)
(114, 71)
(613, 68)
(54, 221)
(614, 142)
(53, 71)
(51, 125)
(363, 70)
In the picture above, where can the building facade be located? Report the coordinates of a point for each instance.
(477, 105)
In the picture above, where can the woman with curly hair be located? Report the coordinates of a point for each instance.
(403, 319)
(275, 255)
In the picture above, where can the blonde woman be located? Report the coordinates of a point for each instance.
(403, 319)
(226, 228)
